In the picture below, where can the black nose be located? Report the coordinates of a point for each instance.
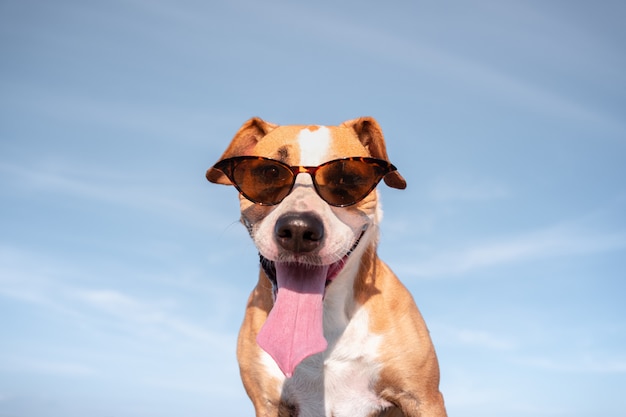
(299, 232)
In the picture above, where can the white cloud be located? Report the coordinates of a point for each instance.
(47, 283)
(180, 123)
(124, 189)
(98, 333)
(463, 391)
(551, 242)
(473, 338)
(440, 60)
(467, 189)
(483, 339)
(64, 368)
(584, 363)
(150, 317)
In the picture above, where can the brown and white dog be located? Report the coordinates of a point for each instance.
(329, 330)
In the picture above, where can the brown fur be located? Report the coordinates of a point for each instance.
(409, 371)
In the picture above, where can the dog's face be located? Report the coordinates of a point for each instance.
(304, 228)
(305, 242)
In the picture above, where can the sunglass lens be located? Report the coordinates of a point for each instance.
(263, 181)
(345, 182)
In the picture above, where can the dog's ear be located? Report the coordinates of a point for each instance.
(245, 139)
(371, 136)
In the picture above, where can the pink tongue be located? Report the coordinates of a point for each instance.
(293, 330)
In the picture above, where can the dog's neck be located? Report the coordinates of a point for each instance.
(348, 291)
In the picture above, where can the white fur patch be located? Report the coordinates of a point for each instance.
(350, 370)
(314, 146)
(270, 366)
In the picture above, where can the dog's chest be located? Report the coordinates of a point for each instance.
(339, 382)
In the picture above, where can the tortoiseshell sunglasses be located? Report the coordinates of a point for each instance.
(341, 182)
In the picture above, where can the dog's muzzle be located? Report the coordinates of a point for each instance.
(294, 231)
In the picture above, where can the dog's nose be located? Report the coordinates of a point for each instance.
(299, 232)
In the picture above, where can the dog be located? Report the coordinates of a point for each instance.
(329, 330)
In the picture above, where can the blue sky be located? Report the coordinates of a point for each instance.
(124, 274)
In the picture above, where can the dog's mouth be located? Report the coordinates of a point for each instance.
(269, 267)
(294, 330)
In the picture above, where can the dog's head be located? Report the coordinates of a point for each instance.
(307, 227)
(303, 228)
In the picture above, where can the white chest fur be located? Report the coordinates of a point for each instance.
(339, 382)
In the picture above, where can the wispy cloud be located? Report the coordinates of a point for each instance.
(420, 54)
(584, 363)
(152, 318)
(475, 338)
(67, 293)
(483, 339)
(551, 242)
(126, 189)
(89, 327)
(467, 189)
(35, 365)
(180, 123)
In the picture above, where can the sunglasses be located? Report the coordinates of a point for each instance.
(341, 182)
